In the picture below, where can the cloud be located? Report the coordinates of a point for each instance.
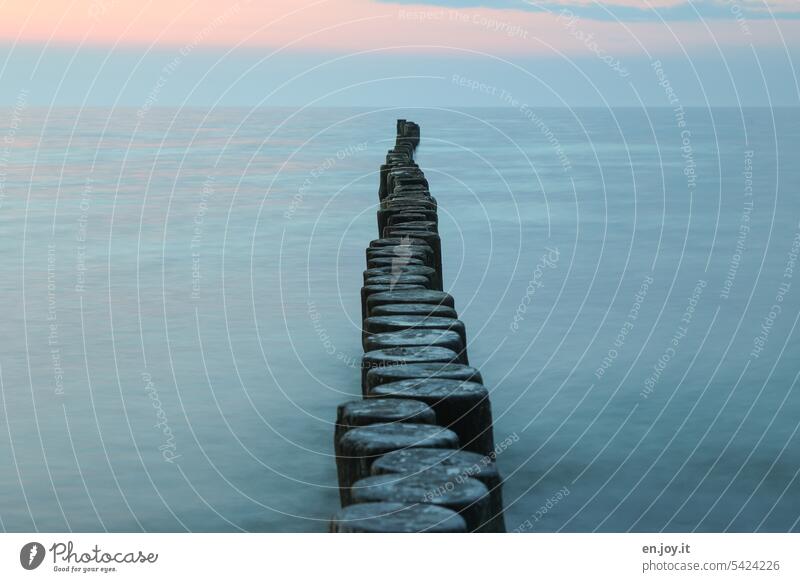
(637, 10)
(507, 27)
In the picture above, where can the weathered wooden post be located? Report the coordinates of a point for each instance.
(388, 323)
(369, 290)
(449, 371)
(358, 413)
(458, 465)
(394, 356)
(421, 309)
(409, 296)
(467, 497)
(461, 406)
(359, 447)
(408, 338)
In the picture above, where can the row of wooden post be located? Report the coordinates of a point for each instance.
(416, 453)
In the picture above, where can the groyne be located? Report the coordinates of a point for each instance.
(416, 453)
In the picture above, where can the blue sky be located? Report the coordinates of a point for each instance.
(684, 10)
(374, 53)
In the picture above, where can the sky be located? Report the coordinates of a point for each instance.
(142, 53)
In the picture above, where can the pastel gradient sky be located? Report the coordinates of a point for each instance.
(357, 52)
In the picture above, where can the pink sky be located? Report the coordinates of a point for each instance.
(355, 25)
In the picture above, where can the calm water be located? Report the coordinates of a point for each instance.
(180, 291)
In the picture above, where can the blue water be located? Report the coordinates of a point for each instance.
(180, 290)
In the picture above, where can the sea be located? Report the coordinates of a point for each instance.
(180, 290)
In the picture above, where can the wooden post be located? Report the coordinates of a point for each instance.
(390, 323)
(359, 447)
(425, 309)
(403, 270)
(410, 296)
(458, 465)
(399, 279)
(461, 406)
(450, 371)
(394, 356)
(418, 338)
(357, 413)
(368, 290)
(467, 497)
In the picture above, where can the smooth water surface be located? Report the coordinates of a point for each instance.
(181, 297)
